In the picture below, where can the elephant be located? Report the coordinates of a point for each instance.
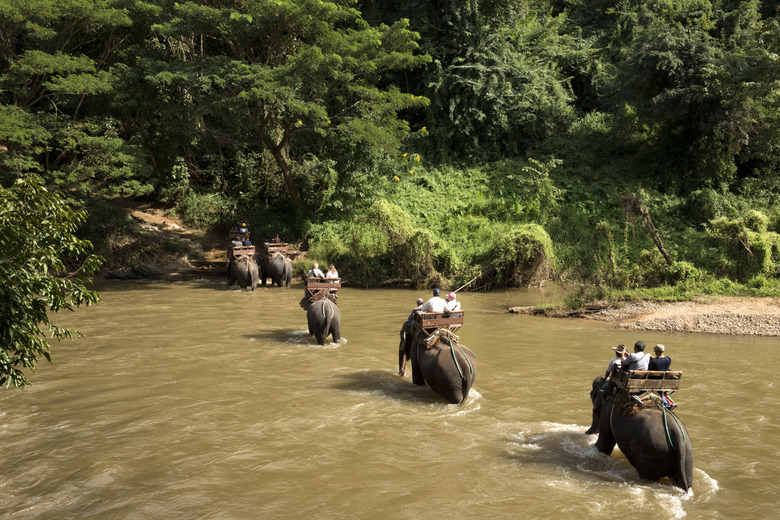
(278, 268)
(653, 439)
(439, 360)
(243, 272)
(324, 318)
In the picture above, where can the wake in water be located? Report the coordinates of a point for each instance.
(564, 447)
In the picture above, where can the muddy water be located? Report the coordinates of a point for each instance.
(186, 400)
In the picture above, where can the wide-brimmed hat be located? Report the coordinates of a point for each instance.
(420, 301)
(659, 348)
(619, 348)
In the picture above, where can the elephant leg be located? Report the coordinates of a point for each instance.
(335, 329)
(417, 375)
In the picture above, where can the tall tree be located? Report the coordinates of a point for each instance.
(55, 78)
(280, 75)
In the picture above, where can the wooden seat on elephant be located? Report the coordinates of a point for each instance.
(430, 321)
(639, 381)
(236, 234)
(323, 285)
(271, 248)
(237, 252)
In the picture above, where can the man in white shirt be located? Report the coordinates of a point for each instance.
(638, 360)
(435, 304)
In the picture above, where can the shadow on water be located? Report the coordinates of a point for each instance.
(390, 385)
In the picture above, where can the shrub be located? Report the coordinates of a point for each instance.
(523, 258)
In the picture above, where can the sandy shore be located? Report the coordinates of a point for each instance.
(722, 315)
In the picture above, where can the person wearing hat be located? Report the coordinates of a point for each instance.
(614, 363)
(661, 361)
(405, 347)
(435, 304)
(452, 303)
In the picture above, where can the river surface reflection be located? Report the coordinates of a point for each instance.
(186, 400)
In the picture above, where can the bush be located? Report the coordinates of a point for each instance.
(523, 258)
(205, 211)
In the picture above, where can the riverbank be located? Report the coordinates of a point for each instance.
(714, 315)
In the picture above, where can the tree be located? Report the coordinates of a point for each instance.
(56, 80)
(287, 77)
(43, 269)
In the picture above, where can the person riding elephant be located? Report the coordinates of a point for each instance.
(407, 335)
(324, 319)
(244, 272)
(278, 268)
(652, 438)
(448, 367)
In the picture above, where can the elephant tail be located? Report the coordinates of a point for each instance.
(679, 441)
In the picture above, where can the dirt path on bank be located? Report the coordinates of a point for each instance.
(716, 315)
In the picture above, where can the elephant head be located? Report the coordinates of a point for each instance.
(652, 438)
(448, 367)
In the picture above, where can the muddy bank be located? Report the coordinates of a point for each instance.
(721, 315)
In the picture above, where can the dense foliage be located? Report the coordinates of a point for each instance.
(43, 268)
(477, 143)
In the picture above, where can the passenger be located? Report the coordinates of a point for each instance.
(638, 360)
(452, 303)
(236, 243)
(332, 273)
(315, 271)
(615, 362)
(410, 320)
(242, 228)
(435, 304)
(661, 361)
(246, 242)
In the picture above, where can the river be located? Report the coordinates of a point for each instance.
(187, 400)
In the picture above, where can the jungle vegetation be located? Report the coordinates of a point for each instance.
(617, 144)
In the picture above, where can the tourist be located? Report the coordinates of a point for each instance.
(435, 304)
(332, 273)
(638, 360)
(661, 361)
(452, 304)
(315, 271)
(616, 361)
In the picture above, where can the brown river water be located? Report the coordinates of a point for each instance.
(186, 400)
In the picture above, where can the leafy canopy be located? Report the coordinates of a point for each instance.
(43, 268)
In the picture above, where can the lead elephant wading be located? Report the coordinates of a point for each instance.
(653, 439)
(448, 367)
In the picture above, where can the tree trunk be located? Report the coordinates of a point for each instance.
(277, 150)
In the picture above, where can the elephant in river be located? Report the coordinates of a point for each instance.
(278, 268)
(448, 367)
(324, 318)
(653, 439)
(243, 272)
